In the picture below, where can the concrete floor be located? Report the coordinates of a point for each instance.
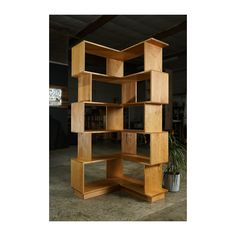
(116, 206)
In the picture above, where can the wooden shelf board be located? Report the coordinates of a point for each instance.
(102, 51)
(138, 131)
(143, 75)
(101, 131)
(138, 49)
(98, 188)
(98, 185)
(157, 42)
(90, 103)
(100, 158)
(102, 104)
(138, 188)
(136, 158)
(140, 103)
(101, 77)
(150, 40)
(131, 180)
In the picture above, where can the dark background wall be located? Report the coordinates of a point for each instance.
(58, 117)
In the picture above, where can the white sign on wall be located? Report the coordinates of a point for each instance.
(55, 97)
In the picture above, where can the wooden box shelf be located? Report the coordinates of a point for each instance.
(85, 149)
(159, 85)
(96, 188)
(151, 49)
(152, 116)
(111, 117)
(114, 116)
(149, 189)
(158, 148)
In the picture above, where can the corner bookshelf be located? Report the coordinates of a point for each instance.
(150, 188)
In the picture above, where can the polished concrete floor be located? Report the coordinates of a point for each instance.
(116, 206)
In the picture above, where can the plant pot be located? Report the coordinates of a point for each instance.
(171, 182)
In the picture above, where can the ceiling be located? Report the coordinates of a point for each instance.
(120, 32)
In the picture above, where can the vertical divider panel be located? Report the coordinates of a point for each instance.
(84, 146)
(85, 87)
(152, 118)
(78, 59)
(114, 118)
(129, 92)
(114, 67)
(152, 179)
(77, 175)
(159, 148)
(115, 168)
(152, 57)
(159, 87)
(128, 143)
(77, 117)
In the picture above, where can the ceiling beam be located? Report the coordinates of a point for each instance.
(171, 31)
(90, 28)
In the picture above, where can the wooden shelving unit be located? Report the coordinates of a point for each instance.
(150, 188)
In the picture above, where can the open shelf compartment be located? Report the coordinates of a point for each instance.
(150, 117)
(158, 145)
(149, 189)
(87, 190)
(113, 117)
(158, 82)
(150, 48)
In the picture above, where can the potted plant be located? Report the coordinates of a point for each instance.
(176, 164)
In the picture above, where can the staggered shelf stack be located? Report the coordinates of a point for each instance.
(150, 188)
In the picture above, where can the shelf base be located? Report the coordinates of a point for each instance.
(133, 187)
(137, 190)
(97, 188)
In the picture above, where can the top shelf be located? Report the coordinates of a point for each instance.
(122, 55)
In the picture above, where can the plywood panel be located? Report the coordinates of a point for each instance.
(159, 85)
(152, 179)
(98, 188)
(152, 118)
(85, 87)
(152, 57)
(157, 42)
(85, 146)
(159, 148)
(77, 59)
(77, 117)
(115, 118)
(114, 168)
(129, 92)
(77, 175)
(102, 51)
(133, 51)
(114, 67)
(129, 143)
